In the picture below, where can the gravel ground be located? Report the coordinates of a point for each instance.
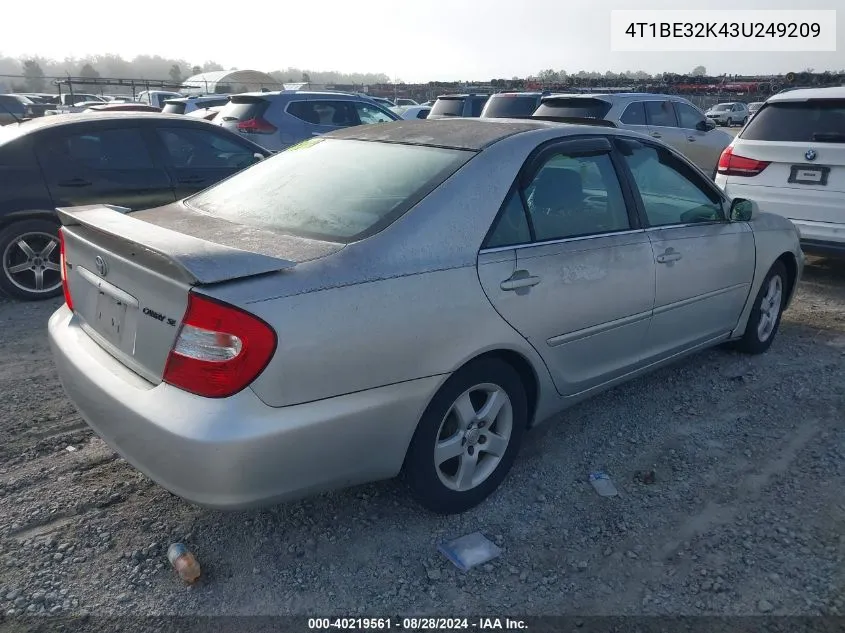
(746, 513)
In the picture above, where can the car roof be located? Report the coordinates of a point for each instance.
(459, 133)
(280, 93)
(44, 122)
(804, 94)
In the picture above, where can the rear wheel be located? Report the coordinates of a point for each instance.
(729, 122)
(468, 437)
(29, 268)
(764, 320)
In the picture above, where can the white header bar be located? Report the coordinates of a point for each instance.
(723, 31)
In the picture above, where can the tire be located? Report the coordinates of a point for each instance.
(729, 122)
(21, 267)
(763, 322)
(442, 487)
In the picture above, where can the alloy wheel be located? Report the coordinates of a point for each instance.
(31, 262)
(770, 306)
(473, 437)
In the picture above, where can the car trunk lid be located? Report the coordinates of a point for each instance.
(129, 279)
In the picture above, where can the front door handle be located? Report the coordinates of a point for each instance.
(517, 282)
(657, 135)
(668, 256)
(75, 182)
(691, 138)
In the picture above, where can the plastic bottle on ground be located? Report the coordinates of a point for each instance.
(184, 562)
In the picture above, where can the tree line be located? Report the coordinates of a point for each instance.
(37, 74)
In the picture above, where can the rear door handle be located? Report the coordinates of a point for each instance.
(691, 138)
(657, 135)
(665, 258)
(75, 182)
(515, 283)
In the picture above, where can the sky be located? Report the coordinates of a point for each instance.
(409, 41)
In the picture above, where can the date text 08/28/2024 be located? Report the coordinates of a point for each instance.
(416, 624)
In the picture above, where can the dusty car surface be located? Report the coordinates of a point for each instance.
(402, 298)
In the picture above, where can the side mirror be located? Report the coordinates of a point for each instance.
(743, 210)
(705, 125)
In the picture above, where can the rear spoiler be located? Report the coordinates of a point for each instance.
(193, 260)
(574, 120)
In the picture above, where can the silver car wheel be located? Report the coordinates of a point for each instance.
(473, 437)
(770, 306)
(31, 262)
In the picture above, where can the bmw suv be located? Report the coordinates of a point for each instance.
(278, 120)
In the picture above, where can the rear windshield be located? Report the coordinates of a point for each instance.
(13, 105)
(177, 107)
(244, 108)
(449, 107)
(509, 106)
(332, 190)
(574, 107)
(819, 121)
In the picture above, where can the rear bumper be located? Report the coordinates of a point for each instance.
(236, 452)
(797, 205)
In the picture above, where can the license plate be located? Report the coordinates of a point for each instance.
(804, 175)
(111, 314)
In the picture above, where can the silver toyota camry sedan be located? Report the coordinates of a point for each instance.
(406, 298)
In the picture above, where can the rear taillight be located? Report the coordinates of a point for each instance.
(63, 269)
(220, 349)
(256, 126)
(731, 164)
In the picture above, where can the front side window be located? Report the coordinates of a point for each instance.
(688, 117)
(331, 189)
(98, 150)
(371, 114)
(572, 196)
(671, 191)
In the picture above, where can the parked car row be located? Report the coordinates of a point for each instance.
(188, 254)
(129, 159)
(671, 118)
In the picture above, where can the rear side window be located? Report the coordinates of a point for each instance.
(819, 121)
(12, 105)
(122, 149)
(324, 112)
(177, 107)
(329, 189)
(660, 114)
(448, 107)
(506, 106)
(574, 107)
(634, 114)
(244, 108)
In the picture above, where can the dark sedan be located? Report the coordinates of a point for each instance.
(129, 159)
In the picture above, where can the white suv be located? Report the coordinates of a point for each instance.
(790, 159)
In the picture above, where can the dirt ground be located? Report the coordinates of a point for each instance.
(746, 513)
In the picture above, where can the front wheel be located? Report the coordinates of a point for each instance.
(30, 268)
(729, 122)
(468, 437)
(764, 320)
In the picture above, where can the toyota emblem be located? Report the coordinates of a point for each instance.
(102, 268)
(810, 154)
